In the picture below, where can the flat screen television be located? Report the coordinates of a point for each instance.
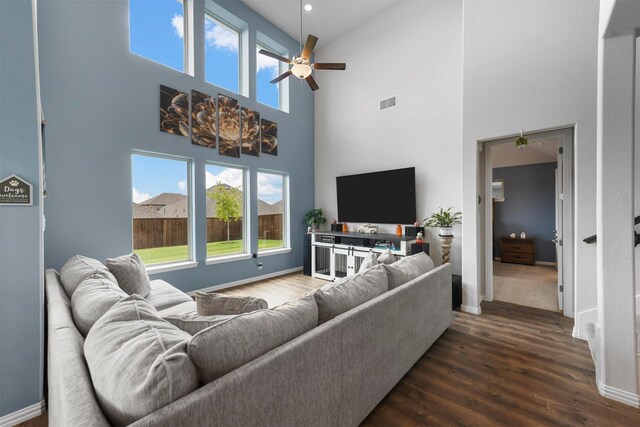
(386, 197)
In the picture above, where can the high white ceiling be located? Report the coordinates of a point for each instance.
(540, 150)
(329, 19)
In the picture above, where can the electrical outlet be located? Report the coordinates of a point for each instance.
(259, 266)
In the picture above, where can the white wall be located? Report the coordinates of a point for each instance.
(412, 50)
(532, 65)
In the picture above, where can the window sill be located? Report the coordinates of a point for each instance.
(227, 258)
(269, 252)
(162, 268)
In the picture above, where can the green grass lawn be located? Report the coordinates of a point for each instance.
(180, 253)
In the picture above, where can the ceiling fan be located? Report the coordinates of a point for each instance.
(301, 65)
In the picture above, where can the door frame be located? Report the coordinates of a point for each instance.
(485, 174)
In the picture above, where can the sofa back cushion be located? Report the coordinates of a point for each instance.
(138, 362)
(213, 304)
(226, 346)
(131, 274)
(93, 298)
(77, 268)
(194, 323)
(408, 268)
(337, 298)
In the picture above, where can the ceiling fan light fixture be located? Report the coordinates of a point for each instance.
(308, 7)
(301, 71)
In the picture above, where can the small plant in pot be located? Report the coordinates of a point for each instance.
(444, 220)
(314, 218)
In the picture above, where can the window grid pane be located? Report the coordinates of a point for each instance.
(156, 31)
(222, 54)
(271, 211)
(267, 69)
(225, 210)
(161, 209)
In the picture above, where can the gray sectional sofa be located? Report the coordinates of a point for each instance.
(334, 374)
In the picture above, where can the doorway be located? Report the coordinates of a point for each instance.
(528, 219)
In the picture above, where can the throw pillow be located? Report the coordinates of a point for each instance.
(137, 361)
(77, 268)
(386, 257)
(131, 275)
(192, 323)
(408, 268)
(371, 260)
(93, 298)
(213, 304)
(226, 346)
(335, 299)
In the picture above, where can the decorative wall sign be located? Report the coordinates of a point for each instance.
(204, 119)
(15, 191)
(250, 132)
(228, 126)
(269, 139)
(174, 111)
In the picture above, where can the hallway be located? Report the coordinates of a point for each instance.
(531, 286)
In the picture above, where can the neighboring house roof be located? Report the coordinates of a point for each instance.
(265, 208)
(143, 212)
(279, 206)
(164, 199)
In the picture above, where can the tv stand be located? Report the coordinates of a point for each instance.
(336, 254)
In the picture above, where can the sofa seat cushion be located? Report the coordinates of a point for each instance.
(187, 308)
(214, 304)
(77, 268)
(337, 298)
(194, 323)
(93, 298)
(163, 295)
(408, 268)
(226, 346)
(131, 274)
(138, 362)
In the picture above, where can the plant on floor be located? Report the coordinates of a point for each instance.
(443, 219)
(314, 218)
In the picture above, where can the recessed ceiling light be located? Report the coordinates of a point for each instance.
(308, 7)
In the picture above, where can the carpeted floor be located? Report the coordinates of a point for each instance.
(532, 286)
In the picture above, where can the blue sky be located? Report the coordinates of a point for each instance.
(157, 33)
(154, 175)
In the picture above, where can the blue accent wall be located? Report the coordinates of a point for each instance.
(21, 313)
(529, 206)
(102, 102)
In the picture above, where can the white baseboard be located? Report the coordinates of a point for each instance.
(576, 332)
(470, 309)
(22, 415)
(550, 264)
(631, 399)
(249, 280)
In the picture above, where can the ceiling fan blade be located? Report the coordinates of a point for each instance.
(274, 56)
(330, 66)
(281, 77)
(308, 46)
(312, 83)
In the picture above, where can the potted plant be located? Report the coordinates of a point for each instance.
(314, 218)
(444, 220)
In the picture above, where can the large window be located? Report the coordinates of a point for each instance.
(222, 53)
(273, 221)
(157, 31)
(161, 208)
(226, 218)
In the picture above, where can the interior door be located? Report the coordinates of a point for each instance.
(558, 232)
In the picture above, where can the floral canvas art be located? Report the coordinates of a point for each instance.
(250, 132)
(228, 126)
(174, 111)
(269, 138)
(204, 119)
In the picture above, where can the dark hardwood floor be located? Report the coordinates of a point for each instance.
(510, 366)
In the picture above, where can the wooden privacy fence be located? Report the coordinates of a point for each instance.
(160, 232)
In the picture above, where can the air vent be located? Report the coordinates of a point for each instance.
(387, 103)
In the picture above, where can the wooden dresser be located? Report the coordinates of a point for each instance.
(518, 251)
